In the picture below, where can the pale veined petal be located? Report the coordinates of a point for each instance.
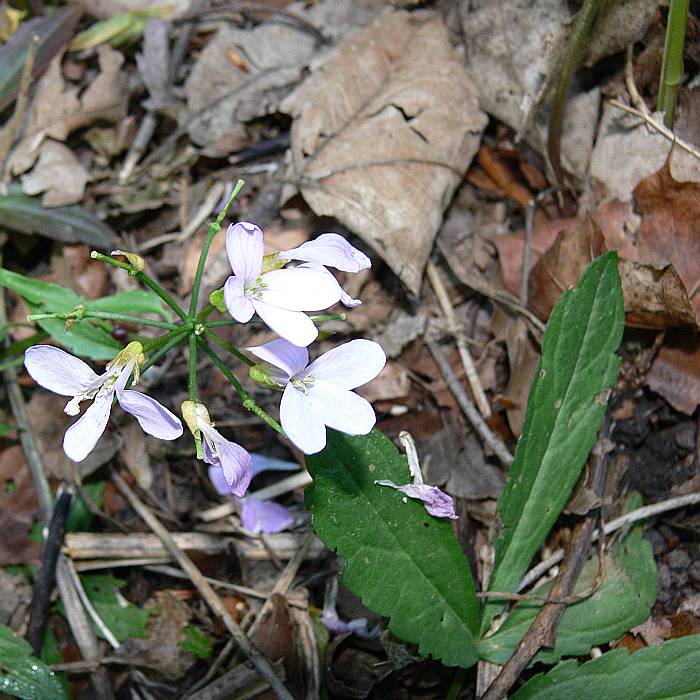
(294, 326)
(301, 289)
(245, 250)
(237, 466)
(153, 418)
(81, 438)
(218, 480)
(300, 421)
(281, 353)
(237, 303)
(330, 249)
(350, 365)
(341, 409)
(58, 371)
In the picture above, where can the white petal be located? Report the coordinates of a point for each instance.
(294, 326)
(301, 423)
(350, 365)
(347, 300)
(330, 249)
(58, 371)
(81, 438)
(153, 418)
(301, 289)
(283, 354)
(341, 409)
(237, 303)
(245, 250)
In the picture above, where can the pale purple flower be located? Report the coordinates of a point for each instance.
(235, 463)
(436, 502)
(319, 394)
(331, 250)
(264, 516)
(333, 623)
(66, 375)
(279, 297)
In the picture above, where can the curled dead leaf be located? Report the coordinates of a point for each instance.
(381, 137)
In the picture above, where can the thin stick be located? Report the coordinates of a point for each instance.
(627, 519)
(654, 124)
(99, 622)
(499, 449)
(453, 327)
(205, 590)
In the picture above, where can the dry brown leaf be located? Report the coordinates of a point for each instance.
(58, 174)
(58, 108)
(381, 136)
(220, 94)
(675, 373)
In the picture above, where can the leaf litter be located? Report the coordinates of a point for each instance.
(361, 118)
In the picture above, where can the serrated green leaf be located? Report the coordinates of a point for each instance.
(404, 563)
(71, 224)
(668, 672)
(123, 621)
(565, 409)
(623, 600)
(21, 674)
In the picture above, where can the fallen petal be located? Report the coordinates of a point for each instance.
(265, 516)
(436, 502)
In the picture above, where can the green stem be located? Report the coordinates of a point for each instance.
(248, 402)
(222, 342)
(577, 42)
(201, 316)
(142, 278)
(214, 228)
(672, 65)
(192, 382)
(162, 350)
(106, 315)
(156, 343)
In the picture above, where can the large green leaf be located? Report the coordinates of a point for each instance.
(404, 563)
(565, 409)
(21, 674)
(623, 600)
(668, 672)
(85, 338)
(70, 224)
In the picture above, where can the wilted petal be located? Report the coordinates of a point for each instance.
(58, 371)
(265, 516)
(81, 438)
(283, 354)
(436, 502)
(237, 303)
(245, 250)
(263, 463)
(153, 418)
(237, 466)
(302, 424)
(330, 249)
(341, 409)
(294, 326)
(218, 480)
(350, 365)
(301, 289)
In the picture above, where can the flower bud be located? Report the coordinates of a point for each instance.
(136, 261)
(216, 299)
(264, 374)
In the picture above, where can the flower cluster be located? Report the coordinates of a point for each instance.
(281, 289)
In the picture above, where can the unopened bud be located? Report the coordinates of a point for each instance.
(263, 373)
(216, 299)
(194, 413)
(272, 262)
(136, 261)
